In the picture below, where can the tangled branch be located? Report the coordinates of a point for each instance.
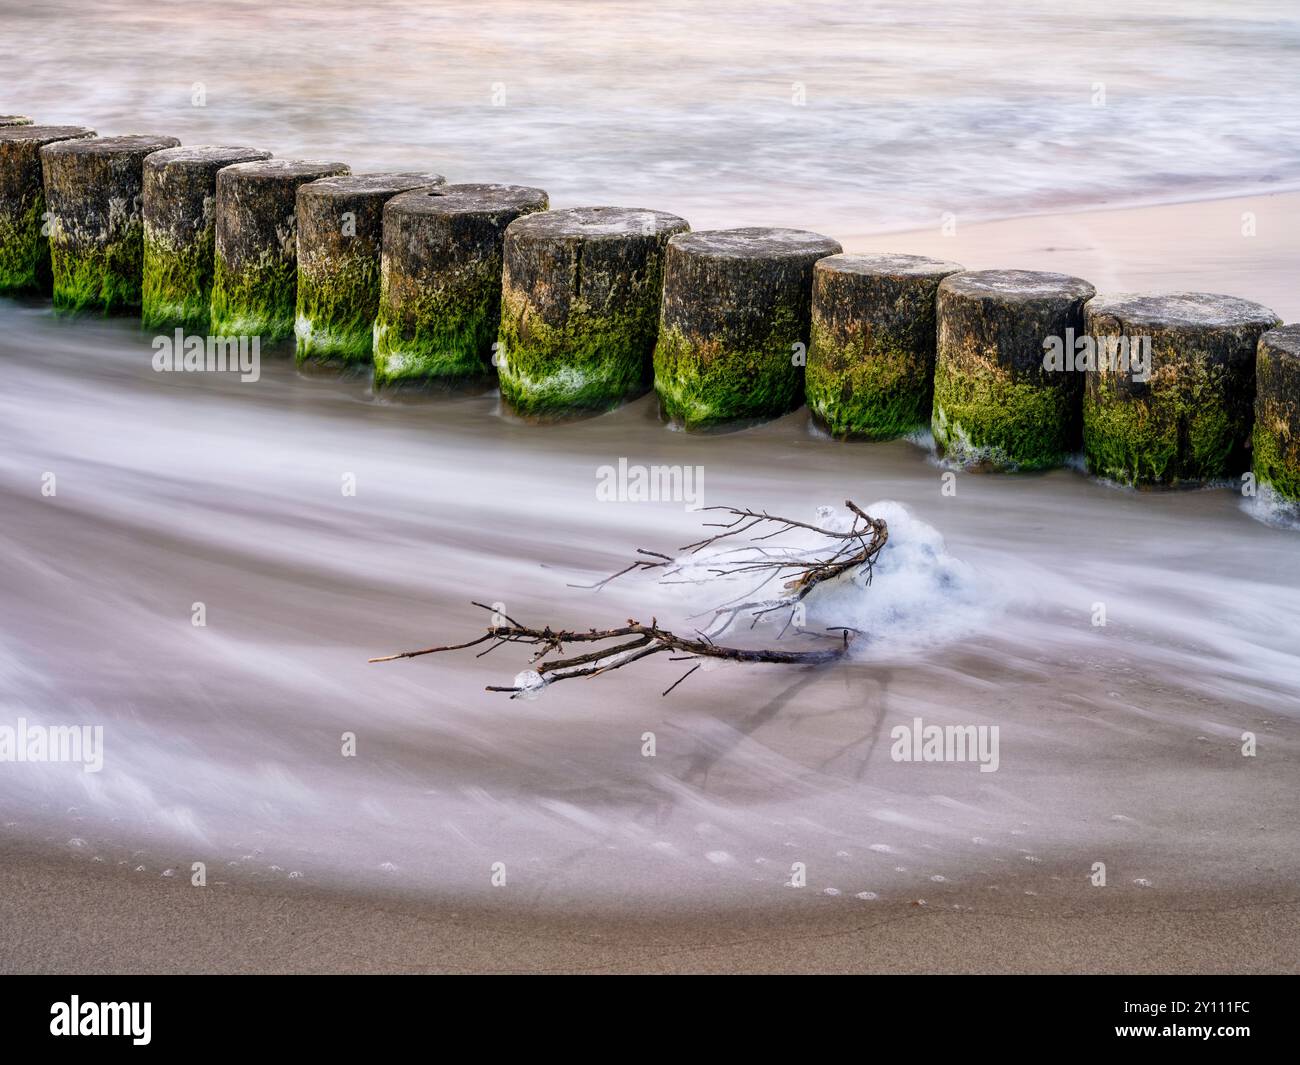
(798, 573)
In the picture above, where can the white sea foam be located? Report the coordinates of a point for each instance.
(1272, 509)
(917, 595)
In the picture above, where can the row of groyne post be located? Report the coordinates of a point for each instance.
(584, 309)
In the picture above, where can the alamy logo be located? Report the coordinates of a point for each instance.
(650, 484)
(1120, 354)
(102, 1018)
(195, 354)
(53, 743)
(920, 742)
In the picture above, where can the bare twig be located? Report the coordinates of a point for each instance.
(852, 551)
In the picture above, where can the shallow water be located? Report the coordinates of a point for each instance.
(223, 743)
(845, 117)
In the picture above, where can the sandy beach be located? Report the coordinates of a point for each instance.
(1194, 247)
(58, 915)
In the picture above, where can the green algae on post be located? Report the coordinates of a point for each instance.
(340, 240)
(1181, 414)
(580, 307)
(734, 323)
(255, 268)
(1277, 413)
(180, 195)
(995, 403)
(94, 192)
(440, 280)
(870, 370)
(24, 246)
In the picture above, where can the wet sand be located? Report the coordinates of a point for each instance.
(1196, 247)
(57, 915)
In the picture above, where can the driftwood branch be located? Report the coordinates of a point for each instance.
(798, 573)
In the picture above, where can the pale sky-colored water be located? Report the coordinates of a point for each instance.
(909, 109)
(223, 743)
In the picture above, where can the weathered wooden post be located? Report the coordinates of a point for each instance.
(580, 307)
(734, 324)
(870, 370)
(255, 279)
(94, 192)
(340, 240)
(996, 404)
(1277, 415)
(1171, 396)
(24, 245)
(440, 279)
(180, 216)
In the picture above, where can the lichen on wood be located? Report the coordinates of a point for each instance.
(94, 194)
(24, 242)
(340, 240)
(440, 280)
(1277, 414)
(255, 279)
(180, 192)
(580, 307)
(735, 323)
(870, 372)
(995, 405)
(1187, 421)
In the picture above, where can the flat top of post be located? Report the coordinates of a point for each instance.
(204, 155)
(284, 169)
(594, 223)
(1284, 340)
(467, 199)
(1013, 285)
(44, 134)
(1182, 309)
(352, 185)
(756, 242)
(887, 264)
(125, 145)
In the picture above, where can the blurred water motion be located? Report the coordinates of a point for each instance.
(841, 116)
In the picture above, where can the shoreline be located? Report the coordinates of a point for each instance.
(59, 915)
(1156, 201)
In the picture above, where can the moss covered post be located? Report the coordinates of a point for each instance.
(340, 239)
(580, 307)
(255, 276)
(180, 213)
(734, 324)
(94, 192)
(24, 245)
(1277, 415)
(1170, 400)
(440, 280)
(870, 370)
(996, 405)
